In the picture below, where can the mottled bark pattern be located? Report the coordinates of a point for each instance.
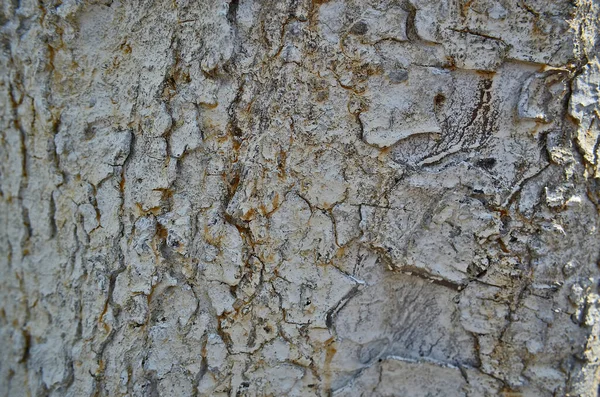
(299, 198)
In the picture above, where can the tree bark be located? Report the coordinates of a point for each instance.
(303, 198)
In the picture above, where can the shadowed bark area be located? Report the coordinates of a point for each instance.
(299, 198)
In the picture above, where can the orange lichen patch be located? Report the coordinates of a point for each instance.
(535, 28)
(249, 106)
(281, 163)
(170, 88)
(224, 335)
(233, 184)
(340, 252)
(233, 137)
(203, 351)
(536, 128)
(511, 393)
(140, 211)
(502, 211)
(216, 239)
(149, 296)
(161, 232)
(465, 8)
(249, 215)
(122, 183)
(181, 76)
(486, 74)
(330, 351)
(208, 127)
(269, 259)
(269, 208)
(384, 152)
(263, 209)
(208, 105)
(101, 366)
(237, 306)
(166, 194)
(51, 58)
(101, 318)
(282, 35)
(503, 246)
(450, 63)
(212, 240)
(222, 139)
(125, 47)
(274, 204)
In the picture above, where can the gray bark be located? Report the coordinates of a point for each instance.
(254, 198)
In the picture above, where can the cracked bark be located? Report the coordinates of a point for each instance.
(299, 198)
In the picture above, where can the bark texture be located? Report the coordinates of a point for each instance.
(303, 198)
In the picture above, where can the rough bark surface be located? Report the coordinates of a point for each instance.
(303, 198)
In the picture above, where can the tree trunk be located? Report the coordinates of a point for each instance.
(286, 197)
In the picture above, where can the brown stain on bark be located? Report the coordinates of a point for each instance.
(330, 351)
